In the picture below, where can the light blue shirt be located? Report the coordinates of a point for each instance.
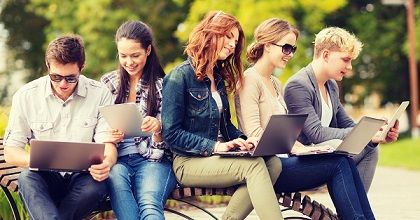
(37, 113)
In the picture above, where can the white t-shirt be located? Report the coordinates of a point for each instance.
(218, 100)
(326, 110)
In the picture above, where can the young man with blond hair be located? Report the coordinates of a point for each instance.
(313, 90)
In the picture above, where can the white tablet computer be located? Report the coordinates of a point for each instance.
(395, 117)
(125, 117)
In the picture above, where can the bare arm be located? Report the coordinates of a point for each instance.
(100, 171)
(110, 153)
(16, 156)
(17, 134)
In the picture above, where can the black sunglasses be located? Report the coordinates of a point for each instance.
(286, 48)
(69, 79)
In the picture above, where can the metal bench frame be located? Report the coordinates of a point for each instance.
(290, 201)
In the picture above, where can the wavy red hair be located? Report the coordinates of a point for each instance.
(205, 42)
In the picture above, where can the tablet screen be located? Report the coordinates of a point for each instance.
(395, 117)
(125, 117)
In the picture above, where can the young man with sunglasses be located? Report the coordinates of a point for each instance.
(313, 90)
(60, 106)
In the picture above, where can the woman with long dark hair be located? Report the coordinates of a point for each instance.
(142, 179)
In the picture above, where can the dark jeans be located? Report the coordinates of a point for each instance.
(338, 172)
(48, 195)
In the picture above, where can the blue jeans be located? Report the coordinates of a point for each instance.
(366, 163)
(48, 195)
(139, 188)
(338, 172)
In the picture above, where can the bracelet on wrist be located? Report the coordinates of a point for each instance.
(158, 133)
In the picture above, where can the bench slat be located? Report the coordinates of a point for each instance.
(198, 191)
(5, 166)
(287, 200)
(183, 192)
(296, 202)
(14, 170)
(209, 191)
(332, 214)
(306, 205)
(10, 182)
(324, 213)
(316, 212)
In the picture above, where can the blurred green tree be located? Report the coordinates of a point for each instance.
(33, 23)
(97, 21)
(26, 36)
(382, 66)
(307, 15)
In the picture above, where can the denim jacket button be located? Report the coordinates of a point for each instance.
(205, 153)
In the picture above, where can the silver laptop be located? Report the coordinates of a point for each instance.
(278, 137)
(355, 141)
(125, 117)
(64, 156)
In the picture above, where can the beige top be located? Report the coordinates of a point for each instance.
(37, 113)
(255, 104)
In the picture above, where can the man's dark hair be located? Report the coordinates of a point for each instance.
(66, 49)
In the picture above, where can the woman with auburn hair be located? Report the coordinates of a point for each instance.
(273, 46)
(197, 122)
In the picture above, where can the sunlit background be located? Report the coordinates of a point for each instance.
(379, 82)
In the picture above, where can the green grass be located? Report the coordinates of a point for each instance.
(404, 153)
(5, 210)
(4, 112)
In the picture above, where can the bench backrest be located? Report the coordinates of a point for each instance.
(8, 173)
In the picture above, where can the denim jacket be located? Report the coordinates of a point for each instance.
(190, 117)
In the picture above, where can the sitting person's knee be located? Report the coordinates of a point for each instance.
(93, 189)
(27, 176)
(151, 200)
(255, 163)
(274, 167)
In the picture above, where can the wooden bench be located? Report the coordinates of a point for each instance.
(290, 201)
